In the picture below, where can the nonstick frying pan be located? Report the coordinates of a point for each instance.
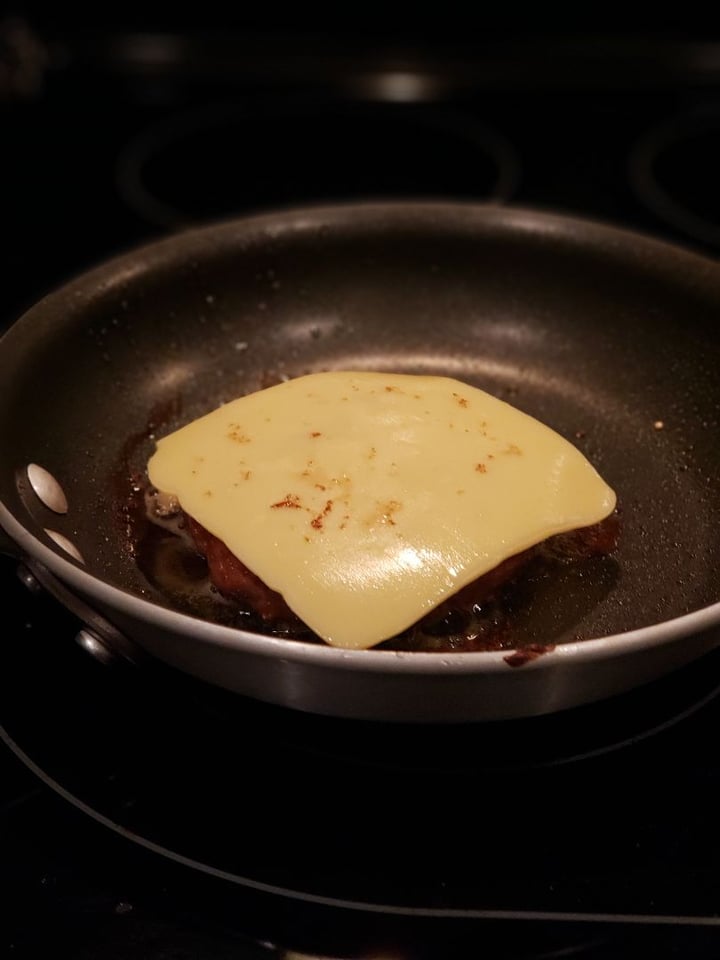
(611, 338)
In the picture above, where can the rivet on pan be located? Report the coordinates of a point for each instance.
(47, 489)
(65, 544)
(28, 579)
(94, 645)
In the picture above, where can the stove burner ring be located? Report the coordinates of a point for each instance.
(222, 160)
(366, 907)
(670, 163)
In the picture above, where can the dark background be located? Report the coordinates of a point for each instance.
(123, 123)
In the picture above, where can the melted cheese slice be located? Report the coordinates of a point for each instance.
(366, 499)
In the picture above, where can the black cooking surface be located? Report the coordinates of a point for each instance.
(569, 825)
(143, 813)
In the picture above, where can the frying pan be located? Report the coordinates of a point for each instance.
(611, 338)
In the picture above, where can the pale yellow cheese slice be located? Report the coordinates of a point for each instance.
(366, 499)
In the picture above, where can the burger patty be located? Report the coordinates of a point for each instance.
(234, 581)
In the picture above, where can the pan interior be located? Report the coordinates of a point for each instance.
(609, 339)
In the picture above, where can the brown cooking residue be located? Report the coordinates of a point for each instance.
(292, 501)
(529, 653)
(315, 433)
(481, 468)
(461, 401)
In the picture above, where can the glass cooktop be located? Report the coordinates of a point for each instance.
(154, 794)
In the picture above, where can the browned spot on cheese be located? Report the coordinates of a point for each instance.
(387, 511)
(291, 501)
(318, 521)
(236, 433)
